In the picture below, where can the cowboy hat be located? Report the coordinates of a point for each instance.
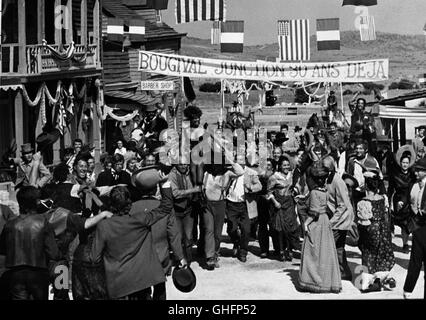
(350, 180)
(370, 165)
(184, 279)
(401, 151)
(27, 148)
(146, 178)
(420, 165)
(47, 139)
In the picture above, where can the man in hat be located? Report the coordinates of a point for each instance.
(152, 123)
(125, 243)
(165, 234)
(362, 162)
(30, 169)
(77, 145)
(418, 141)
(340, 206)
(336, 138)
(418, 196)
(331, 105)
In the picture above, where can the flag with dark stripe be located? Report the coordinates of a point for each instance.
(367, 28)
(215, 33)
(359, 3)
(200, 10)
(137, 29)
(232, 36)
(293, 39)
(115, 29)
(328, 34)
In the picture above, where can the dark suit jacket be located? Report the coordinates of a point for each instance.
(125, 243)
(106, 178)
(165, 233)
(417, 258)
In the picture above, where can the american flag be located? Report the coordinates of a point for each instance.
(215, 33)
(294, 40)
(200, 10)
(367, 28)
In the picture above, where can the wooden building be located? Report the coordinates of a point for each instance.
(50, 71)
(122, 80)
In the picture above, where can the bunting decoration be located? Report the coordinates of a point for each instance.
(232, 36)
(293, 40)
(200, 10)
(328, 34)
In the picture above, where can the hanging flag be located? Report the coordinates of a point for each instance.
(359, 3)
(293, 39)
(215, 33)
(200, 10)
(367, 28)
(424, 30)
(137, 29)
(232, 36)
(422, 79)
(328, 34)
(115, 29)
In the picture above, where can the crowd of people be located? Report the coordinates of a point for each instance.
(119, 226)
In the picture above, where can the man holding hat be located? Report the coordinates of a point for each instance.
(30, 169)
(418, 196)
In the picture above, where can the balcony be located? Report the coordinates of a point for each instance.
(39, 59)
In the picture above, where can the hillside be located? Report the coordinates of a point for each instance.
(407, 54)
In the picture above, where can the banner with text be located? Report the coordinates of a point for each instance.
(343, 71)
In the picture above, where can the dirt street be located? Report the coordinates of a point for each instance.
(267, 279)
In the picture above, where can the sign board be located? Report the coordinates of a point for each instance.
(195, 67)
(157, 85)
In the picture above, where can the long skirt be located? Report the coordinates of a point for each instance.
(319, 266)
(88, 281)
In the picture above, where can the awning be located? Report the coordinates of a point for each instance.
(395, 112)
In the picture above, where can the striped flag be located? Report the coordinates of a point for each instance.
(422, 79)
(215, 33)
(367, 28)
(115, 29)
(293, 39)
(137, 29)
(328, 34)
(232, 36)
(200, 10)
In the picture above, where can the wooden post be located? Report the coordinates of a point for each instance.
(83, 21)
(94, 101)
(395, 135)
(22, 39)
(41, 33)
(19, 119)
(341, 96)
(68, 22)
(58, 32)
(402, 132)
(97, 32)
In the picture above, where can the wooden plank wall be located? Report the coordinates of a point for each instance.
(116, 66)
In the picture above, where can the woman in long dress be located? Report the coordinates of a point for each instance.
(319, 266)
(283, 210)
(375, 237)
(400, 182)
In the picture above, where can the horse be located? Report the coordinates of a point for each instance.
(316, 122)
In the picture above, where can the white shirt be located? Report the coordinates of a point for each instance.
(121, 151)
(236, 190)
(416, 196)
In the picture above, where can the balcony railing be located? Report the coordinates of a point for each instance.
(40, 60)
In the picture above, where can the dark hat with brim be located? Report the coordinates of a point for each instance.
(350, 180)
(420, 165)
(47, 139)
(184, 279)
(27, 148)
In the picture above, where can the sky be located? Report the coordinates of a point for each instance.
(260, 16)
